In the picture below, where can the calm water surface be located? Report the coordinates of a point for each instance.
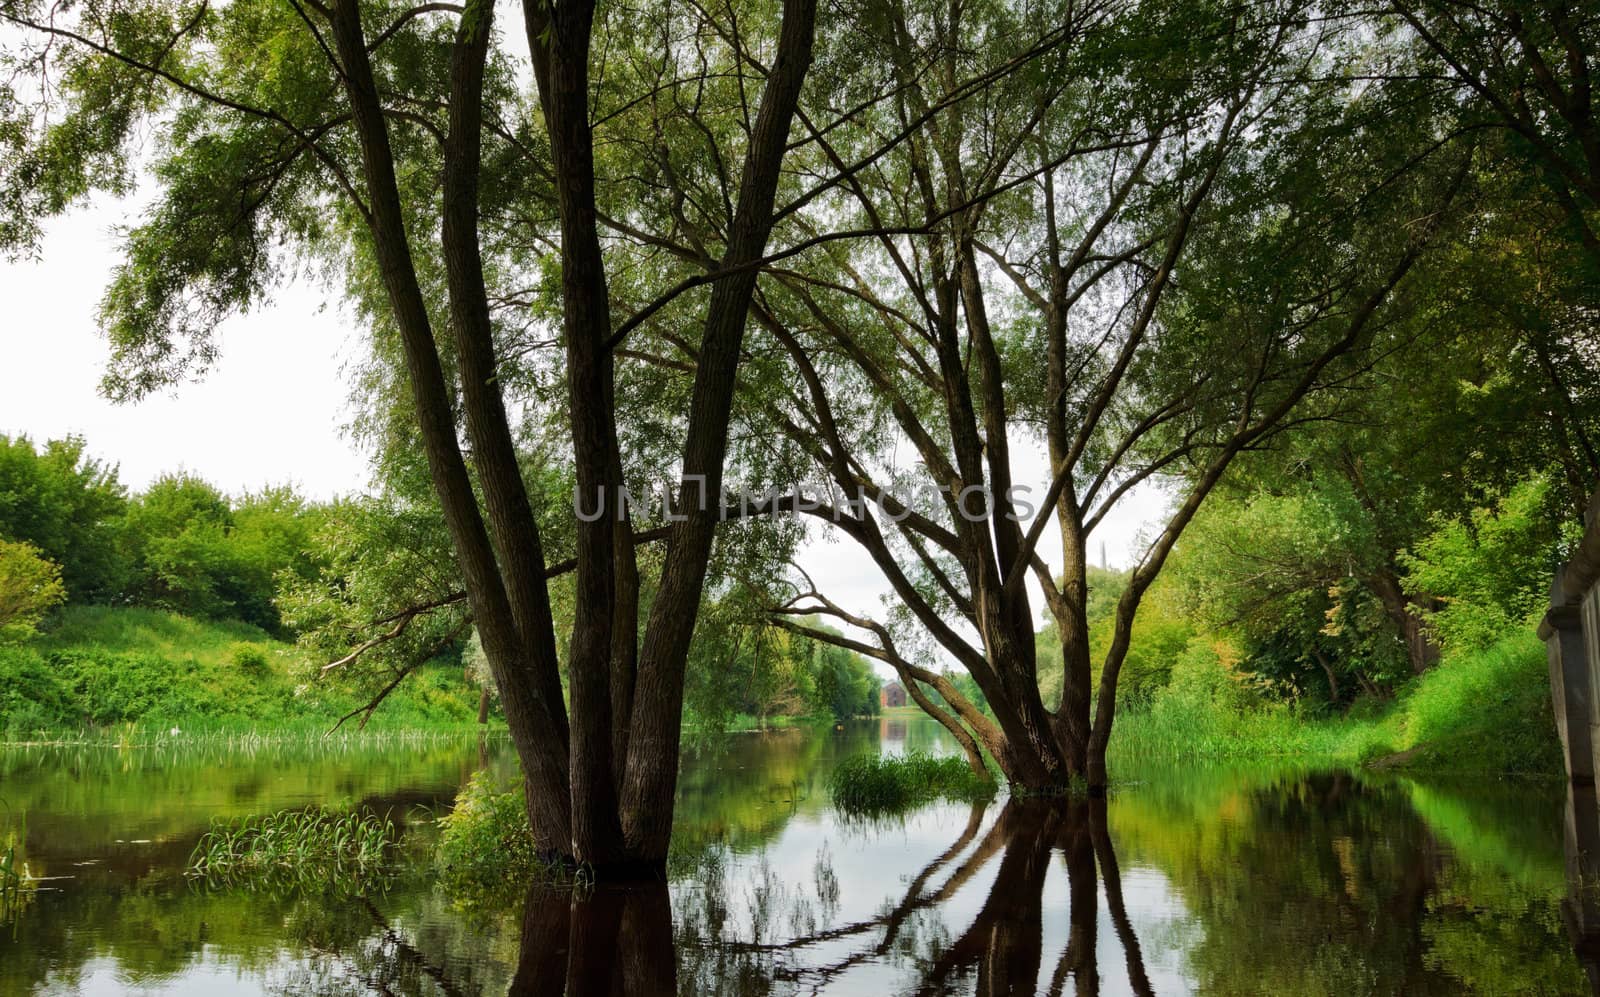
(1239, 880)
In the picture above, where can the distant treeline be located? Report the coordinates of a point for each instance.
(181, 544)
(72, 533)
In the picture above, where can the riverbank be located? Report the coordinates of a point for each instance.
(135, 675)
(131, 672)
(1485, 713)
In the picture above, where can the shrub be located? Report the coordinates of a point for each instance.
(248, 658)
(1492, 573)
(486, 841)
(30, 586)
(880, 784)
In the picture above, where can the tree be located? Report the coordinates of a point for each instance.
(1524, 68)
(1168, 275)
(30, 586)
(327, 125)
(69, 505)
(191, 549)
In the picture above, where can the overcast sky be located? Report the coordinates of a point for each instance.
(274, 407)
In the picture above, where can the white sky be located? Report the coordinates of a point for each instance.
(270, 412)
(273, 408)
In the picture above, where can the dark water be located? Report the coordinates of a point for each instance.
(1240, 880)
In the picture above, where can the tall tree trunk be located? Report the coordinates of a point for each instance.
(652, 763)
(538, 723)
(1405, 613)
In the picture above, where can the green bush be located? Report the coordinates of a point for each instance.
(1486, 711)
(248, 658)
(103, 666)
(486, 842)
(883, 784)
(1490, 574)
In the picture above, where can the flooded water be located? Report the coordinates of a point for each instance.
(1243, 880)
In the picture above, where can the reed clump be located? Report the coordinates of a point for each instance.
(313, 846)
(881, 784)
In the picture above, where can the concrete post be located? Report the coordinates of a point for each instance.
(1570, 691)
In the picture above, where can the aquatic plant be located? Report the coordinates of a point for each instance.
(16, 887)
(293, 846)
(879, 784)
(485, 842)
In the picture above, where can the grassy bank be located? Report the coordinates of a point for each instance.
(102, 669)
(1483, 712)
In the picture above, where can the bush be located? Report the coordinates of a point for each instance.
(30, 586)
(1491, 574)
(880, 784)
(248, 658)
(486, 841)
(101, 666)
(1485, 711)
(32, 696)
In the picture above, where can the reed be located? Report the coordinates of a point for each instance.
(295, 846)
(879, 784)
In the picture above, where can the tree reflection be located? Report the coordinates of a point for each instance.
(1003, 948)
(610, 940)
(1311, 883)
(1000, 952)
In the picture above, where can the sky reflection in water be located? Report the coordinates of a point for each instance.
(1231, 880)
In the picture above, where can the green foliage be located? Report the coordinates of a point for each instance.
(69, 506)
(1492, 571)
(30, 586)
(485, 845)
(739, 664)
(295, 847)
(193, 551)
(377, 561)
(1484, 711)
(99, 667)
(248, 658)
(874, 785)
(1161, 630)
(180, 545)
(1282, 576)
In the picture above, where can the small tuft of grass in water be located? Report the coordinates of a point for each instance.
(294, 847)
(880, 784)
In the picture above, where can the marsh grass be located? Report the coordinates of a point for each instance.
(296, 848)
(16, 886)
(1486, 711)
(872, 785)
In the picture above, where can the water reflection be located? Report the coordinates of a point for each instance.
(1219, 881)
(1581, 908)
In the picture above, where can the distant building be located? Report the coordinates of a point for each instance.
(893, 694)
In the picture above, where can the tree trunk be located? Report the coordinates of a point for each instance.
(1327, 669)
(1404, 613)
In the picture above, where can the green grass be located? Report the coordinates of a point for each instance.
(1483, 712)
(135, 674)
(872, 785)
(294, 846)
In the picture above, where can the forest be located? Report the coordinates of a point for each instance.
(659, 303)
